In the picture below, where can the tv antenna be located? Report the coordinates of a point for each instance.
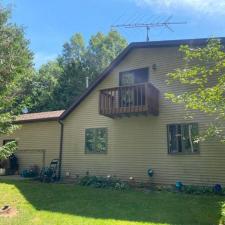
(148, 26)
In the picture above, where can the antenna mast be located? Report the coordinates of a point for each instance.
(148, 26)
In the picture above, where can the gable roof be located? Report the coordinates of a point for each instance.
(41, 116)
(125, 52)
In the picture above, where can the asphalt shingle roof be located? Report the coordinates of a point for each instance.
(40, 116)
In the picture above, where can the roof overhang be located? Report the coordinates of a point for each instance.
(36, 120)
(39, 117)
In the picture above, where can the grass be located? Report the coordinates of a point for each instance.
(63, 204)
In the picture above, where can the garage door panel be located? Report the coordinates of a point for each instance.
(28, 158)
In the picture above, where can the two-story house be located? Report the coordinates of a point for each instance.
(123, 125)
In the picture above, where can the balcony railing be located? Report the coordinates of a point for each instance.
(127, 100)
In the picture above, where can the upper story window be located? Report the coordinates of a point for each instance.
(132, 77)
(96, 140)
(181, 138)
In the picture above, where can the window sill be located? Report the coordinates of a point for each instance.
(184, 153)
(95, 152)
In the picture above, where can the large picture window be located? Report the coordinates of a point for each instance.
(182, 138)
(96, 140)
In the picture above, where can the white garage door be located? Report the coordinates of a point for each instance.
(30, 157)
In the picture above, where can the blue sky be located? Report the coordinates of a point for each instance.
(50, 23)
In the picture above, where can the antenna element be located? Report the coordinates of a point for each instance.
(166, 24)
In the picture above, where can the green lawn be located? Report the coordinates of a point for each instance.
(60, 204)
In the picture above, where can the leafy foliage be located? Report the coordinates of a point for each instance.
(102, 50)
(7, 150)
(16, 74)
(203, 74)
(190, 189)
(103, 182)
(43, 87)
(199, 190)
(60, 82)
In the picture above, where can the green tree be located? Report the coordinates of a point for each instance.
(203, 74)
(71, 83)
(102, 50)
(66, 79)
(15, 76)
(79, 62)
(44, 84)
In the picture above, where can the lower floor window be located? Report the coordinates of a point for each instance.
(96, 140)
(182, 138)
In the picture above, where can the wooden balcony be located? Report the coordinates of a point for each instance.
(129, 100)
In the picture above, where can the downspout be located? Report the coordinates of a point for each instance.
(60, 147)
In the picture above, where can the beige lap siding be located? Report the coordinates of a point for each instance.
(136, 144)
(33, 138)
(28, 158)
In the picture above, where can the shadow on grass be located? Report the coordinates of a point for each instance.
(154, 207)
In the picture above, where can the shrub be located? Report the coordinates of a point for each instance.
(103, 182)
(190, 189)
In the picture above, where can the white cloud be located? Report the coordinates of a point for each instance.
(202, 6)
(42, 57)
